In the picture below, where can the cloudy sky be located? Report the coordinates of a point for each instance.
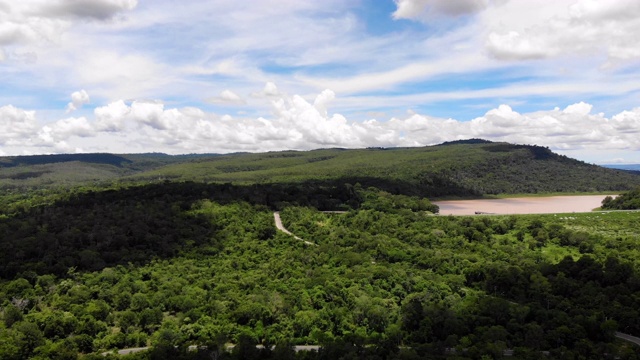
(196, 76)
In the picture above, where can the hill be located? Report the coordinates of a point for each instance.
(453, 169)
(139, 260)
(467, 168)
(68, 170)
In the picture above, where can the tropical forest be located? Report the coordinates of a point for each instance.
(323, 254)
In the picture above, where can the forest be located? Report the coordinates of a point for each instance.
(465, 168)
(630, 200)
(174, 265)
(196, 269)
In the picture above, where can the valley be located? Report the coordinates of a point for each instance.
(180, 258)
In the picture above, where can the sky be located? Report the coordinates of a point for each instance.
(221, 76)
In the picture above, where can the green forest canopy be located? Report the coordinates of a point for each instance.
(172, 252)
(172, 265)
(468, 168)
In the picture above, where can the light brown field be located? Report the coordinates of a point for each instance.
(530, 205)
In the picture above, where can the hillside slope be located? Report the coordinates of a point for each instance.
(453, 169)
(68, 170)
(467, 168)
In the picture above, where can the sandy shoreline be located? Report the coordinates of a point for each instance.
(532, 205)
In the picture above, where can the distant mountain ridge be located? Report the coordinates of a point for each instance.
(96, 158)
(463, 168)
(633, 167)
(467, 168)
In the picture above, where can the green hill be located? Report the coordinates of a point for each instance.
(468, 168)
(132, 259)
(453, 169)
(68, 170)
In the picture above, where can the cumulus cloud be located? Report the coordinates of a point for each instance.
(16, 124)
(29, 21)
(17, 28)
(95, 9)
(298, 123)
(66, 128)
(564, 27)
(78, 98)
(227, 97)
(515, 46)
(413, 9)
(58, 134)
(111, 118)
(270, 90)
(627, 122)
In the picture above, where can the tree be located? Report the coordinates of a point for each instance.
(29, 338)
(12, 315)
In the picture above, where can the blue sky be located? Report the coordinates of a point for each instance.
(223, 76)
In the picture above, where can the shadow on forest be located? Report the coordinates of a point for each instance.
(95, 229)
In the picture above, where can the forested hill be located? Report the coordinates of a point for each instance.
(98, 158)
(181, 253)
(68, 170)
(463, 168)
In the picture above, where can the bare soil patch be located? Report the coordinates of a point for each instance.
(531, 205)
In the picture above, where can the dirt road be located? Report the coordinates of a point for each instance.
(279, 226)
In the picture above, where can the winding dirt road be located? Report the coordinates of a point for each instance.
(279, 226)
(629, 338)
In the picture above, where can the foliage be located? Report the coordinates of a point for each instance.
(388, 280)
(627, 201)
(460, 169)
(189, 268)
(468, 168)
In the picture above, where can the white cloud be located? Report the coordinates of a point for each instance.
(111, 118)
(151, 114)
(227, 97)
(627, 122)
(300, 124)
(270, 90)
(62, 130)
(24, 30)
(515, 46)
(16, 124)
(125, 76)
(78, 98)
(461, 52)
(523, 30)
(580, 109)
(413, 9)
(38, 21)
(413, 72)
(95, 9)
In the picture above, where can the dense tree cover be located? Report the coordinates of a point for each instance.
(203, 265)
(468, 168)
(90, 229)
(627, 201)
(99, 158)
(65, 171)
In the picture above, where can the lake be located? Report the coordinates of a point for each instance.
(524, 205)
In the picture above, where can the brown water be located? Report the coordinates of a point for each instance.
(532, 205)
